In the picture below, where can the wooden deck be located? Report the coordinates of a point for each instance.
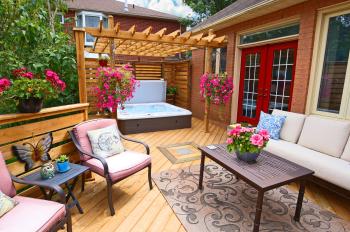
(138, 209)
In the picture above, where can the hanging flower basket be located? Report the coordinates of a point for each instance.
(103, 63)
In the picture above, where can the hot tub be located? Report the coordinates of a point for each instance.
(147, 117)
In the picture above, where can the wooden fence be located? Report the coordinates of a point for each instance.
(16, 129)
(175, 73)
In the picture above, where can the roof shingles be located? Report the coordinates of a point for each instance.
(116, 7)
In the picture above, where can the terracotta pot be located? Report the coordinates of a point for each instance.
(103, 63)
(30, 105)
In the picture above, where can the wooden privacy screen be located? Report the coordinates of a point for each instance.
(20, 128)
(175, 73)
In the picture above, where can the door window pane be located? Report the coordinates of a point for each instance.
(281, 80)
(251, 80)
(335, 64)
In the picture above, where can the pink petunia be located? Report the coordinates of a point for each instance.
(229, 140)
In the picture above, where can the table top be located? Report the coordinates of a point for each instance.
(270, 171)
(59, 178)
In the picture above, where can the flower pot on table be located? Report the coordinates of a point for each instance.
(247, 156)
(30, 105)
(62, 166)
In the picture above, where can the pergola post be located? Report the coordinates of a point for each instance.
(112, 46)
(207, 69)
(79, 35)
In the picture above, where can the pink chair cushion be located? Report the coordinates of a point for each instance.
(80, 132)
(32, 215)
(121, 165)
(6, 185)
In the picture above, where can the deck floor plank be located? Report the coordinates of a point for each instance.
(139, 209)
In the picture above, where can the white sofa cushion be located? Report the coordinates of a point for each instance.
(326, 167)
(292, 126)
(346, 152)
(325, 135)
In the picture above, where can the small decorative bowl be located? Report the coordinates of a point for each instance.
(47, 171)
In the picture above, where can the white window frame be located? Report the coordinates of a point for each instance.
(62, 17)
(88, 13)
(318, 61)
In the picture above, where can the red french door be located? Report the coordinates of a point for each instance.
(266, 83)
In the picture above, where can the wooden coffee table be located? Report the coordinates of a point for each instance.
(269, 172)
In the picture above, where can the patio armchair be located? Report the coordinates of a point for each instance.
(32, 214)
(113, 168)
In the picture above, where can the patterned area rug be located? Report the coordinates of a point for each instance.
(226, 204)
(181, 152)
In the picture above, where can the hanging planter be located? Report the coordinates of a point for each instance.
(30, 105)
(216, 89)
(103, 63)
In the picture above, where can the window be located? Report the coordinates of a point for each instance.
(90, 19)
(60, 18)
(218, 61)
(333, 67)
(273, 33)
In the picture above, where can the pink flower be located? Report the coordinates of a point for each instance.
(229, 140)
(257, 140)
(55, 80)
(265, 134)
(4, 84)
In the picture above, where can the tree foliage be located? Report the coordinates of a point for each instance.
(204, 9)
(30, 36)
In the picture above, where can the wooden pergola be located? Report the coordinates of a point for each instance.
(114, 41)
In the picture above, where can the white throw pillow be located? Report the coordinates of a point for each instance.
(292, 126)
(106, 141)
(325, 135)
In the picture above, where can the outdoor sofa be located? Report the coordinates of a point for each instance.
(318, 143)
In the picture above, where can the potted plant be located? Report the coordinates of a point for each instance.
(103, 61)
(29, 90)
(247, 142)
(62, 163)
(171, 92)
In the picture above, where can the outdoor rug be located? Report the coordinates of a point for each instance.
(181, 152)
(226, 204)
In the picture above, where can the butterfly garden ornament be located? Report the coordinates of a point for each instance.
(29, 154)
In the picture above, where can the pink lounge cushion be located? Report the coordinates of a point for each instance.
(32, 215)
(121, 165)
(80, 132)
(6, 185)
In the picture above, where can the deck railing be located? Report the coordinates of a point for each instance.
(16, 129)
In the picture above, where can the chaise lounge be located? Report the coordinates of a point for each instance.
(32, 214)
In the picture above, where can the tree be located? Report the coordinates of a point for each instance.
(204, 9)
(30, 36)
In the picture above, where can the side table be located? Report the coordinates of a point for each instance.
(61, 179)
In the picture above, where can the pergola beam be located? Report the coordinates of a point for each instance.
(195, 41)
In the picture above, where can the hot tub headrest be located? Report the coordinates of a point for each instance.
(149, 91)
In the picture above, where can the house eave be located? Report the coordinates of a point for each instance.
(254, 11)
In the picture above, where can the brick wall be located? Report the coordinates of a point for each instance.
(307, 13)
